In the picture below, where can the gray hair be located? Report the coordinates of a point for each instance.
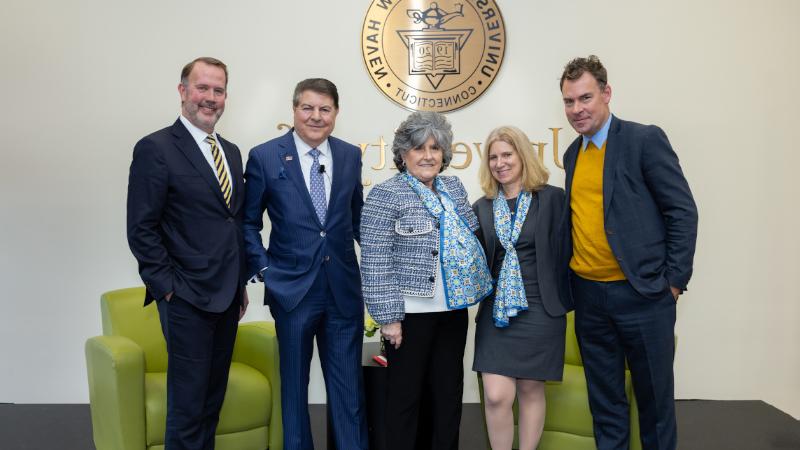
(416, 129)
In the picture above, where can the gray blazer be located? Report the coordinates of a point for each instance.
(550, 238)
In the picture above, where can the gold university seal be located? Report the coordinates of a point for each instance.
(433, 56)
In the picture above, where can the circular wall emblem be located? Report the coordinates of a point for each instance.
(433, 56)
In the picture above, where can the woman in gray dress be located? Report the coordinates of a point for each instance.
(519, 338)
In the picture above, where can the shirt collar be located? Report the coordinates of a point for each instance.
(599, 138)
(198, 134)
(303, 148)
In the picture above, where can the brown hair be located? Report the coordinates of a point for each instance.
(320, 86)
(578, 66)
(187, 69)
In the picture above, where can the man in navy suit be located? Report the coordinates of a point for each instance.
(310, 185)
(185, 196)
(633, 225)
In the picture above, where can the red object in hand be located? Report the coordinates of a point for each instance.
(381, 360)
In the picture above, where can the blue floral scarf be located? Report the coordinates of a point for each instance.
(509, 297)
(466, 274)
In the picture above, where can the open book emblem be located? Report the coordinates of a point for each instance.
(434, 51)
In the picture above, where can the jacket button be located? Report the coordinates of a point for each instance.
(609, 232)
(435, 252)
(322, 233)
(327, 258)
(432, 279)
(230, 219)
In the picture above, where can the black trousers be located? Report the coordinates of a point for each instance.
(430, 361)
(199, 348)
(613, 323)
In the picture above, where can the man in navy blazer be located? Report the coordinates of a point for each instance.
(185, 196)
(633, 225)
(310, 185)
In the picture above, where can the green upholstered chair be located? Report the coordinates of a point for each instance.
(128, 381)
(568, 423)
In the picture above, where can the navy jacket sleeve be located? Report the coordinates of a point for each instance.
(357, 202)
(254, 204)
(668, 185)
(147, 194)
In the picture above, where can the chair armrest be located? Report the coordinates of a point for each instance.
(257, 346)
(115, 367)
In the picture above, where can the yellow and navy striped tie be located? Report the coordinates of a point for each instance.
(222, 175)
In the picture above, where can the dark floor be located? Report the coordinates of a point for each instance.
(702, 424)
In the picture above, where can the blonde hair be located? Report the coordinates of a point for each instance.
(534, 174)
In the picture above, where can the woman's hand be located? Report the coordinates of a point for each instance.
(393, 332)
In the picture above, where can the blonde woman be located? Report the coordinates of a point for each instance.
(519, 338)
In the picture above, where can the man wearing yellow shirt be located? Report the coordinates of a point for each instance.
(633, 227)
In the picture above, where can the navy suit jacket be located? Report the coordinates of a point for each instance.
(298, 243)
(180, 230)
(650, 215)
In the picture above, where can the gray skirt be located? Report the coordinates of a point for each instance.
(530, 347)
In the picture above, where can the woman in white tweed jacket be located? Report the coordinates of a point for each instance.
(421, 267)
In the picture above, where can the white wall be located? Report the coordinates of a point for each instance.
(82, 81)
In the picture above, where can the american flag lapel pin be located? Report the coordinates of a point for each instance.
(288, 157)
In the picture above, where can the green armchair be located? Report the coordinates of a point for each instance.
(128, 381)
(568, 423)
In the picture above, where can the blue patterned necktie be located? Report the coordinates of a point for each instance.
(318, 187)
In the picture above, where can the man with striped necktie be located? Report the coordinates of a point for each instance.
(185, 195)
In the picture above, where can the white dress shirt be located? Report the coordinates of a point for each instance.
(200, 137)
(306, 160)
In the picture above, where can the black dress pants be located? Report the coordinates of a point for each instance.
(199, 351)
(430, 361)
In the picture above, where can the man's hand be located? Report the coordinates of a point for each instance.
(243, 307)
(393, 332)
(675, 292)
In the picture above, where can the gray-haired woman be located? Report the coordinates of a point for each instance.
(421, 267)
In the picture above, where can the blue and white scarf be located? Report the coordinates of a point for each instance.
(466, 274)
(509, 297)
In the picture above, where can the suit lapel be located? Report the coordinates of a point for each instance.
(187, 145)
(535, 207)
(540, 240)
(291, 165)
(487, 213)
(338, 158)
(613, 150)
(570, 158)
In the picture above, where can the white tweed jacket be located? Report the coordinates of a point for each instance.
(400, 245)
